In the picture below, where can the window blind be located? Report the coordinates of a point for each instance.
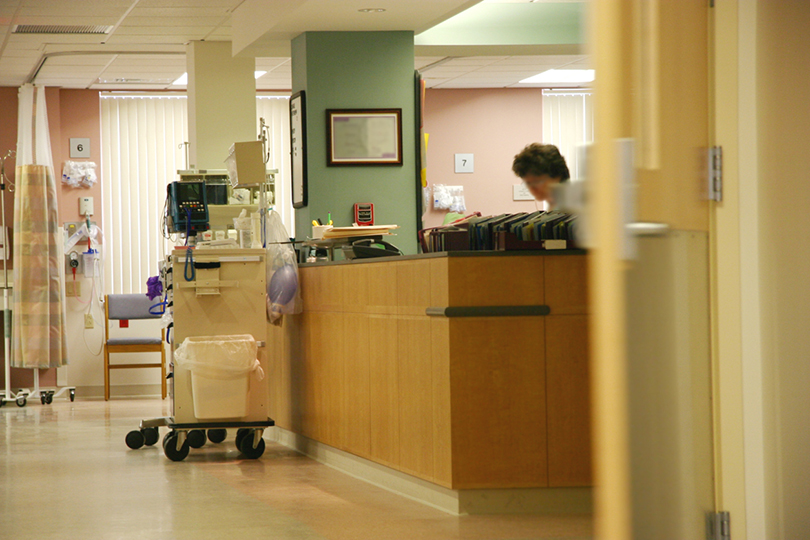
(276, 113)
(568, 123)
(142, 149)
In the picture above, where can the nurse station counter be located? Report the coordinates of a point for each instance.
(465, 369)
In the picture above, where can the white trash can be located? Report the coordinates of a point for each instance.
(220, 369)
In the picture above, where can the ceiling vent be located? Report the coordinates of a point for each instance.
(60, 29)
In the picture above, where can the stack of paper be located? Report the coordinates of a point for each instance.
(350, 232)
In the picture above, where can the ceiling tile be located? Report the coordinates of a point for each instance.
(224, 4)
(187, 12)
(79, 60)
(152, 22)
(422, 61)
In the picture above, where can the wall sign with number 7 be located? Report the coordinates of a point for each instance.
(465, 163)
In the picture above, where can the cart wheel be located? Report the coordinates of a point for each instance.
(49, 398)
(196, 438)
(21, 401)
(135, 439)
(170, 447)
(72, 395)
(150, 435)
(241, 433)
(217, 435)
(2, 400)
(43, 398)
(246, 447)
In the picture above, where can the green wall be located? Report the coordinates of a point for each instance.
(357, 70)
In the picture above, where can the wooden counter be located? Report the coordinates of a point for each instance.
(460, 398)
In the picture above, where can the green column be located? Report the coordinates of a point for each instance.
(357, 70)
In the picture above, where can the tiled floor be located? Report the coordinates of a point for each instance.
(65, 473)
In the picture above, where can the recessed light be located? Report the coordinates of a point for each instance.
(371, 10)
(561, 76)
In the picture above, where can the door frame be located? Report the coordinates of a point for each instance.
(736, 316)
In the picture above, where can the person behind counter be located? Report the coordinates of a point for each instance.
(541, 167)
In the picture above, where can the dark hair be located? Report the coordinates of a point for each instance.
(539, 159)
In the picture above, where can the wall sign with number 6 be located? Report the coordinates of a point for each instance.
(79, 147)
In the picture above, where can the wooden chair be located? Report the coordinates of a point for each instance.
(125, 307)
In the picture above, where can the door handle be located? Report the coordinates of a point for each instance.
(641, 228)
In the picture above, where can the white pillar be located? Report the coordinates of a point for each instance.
(221, 102)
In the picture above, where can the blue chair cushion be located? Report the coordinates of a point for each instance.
(130, 306)
(134, 341)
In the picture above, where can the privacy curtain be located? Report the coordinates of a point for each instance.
(38, 316)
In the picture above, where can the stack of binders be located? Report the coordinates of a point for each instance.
(524, 230)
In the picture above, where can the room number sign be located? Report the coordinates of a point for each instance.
(79, 147)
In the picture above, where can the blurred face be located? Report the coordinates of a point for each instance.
(540, 186)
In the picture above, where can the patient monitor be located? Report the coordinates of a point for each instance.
(187, 207)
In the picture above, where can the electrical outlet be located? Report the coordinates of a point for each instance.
(73, 289)
(88, 321)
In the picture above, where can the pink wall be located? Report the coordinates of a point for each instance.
(80, 117)
(492, 124)
(71, 113)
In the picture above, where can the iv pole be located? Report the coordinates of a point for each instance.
(7, 396)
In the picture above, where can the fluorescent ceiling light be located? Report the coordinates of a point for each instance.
(182, 80)
(561, 76)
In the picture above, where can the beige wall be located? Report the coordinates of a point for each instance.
(784, 210)
(494, 125)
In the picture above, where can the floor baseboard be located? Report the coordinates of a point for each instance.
(456, 502)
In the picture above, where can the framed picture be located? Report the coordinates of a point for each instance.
(298, 149)
(363, 137)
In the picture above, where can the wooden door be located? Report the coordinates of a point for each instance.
(650, 291)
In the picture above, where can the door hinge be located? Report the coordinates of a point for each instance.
(720, 526)
(716, 173)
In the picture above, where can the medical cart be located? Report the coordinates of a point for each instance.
(214, 292)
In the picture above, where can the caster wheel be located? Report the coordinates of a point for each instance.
(241, 433)
(217, 435)
(135, 439)
(21, 401)
(43, 398)
(49, 398)
(72, 395)
(170, 447)
(196, 438)
(150, 435)
(246, 447)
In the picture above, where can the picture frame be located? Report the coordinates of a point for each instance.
(363, 137)
(298, 149)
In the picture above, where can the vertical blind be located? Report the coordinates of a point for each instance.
(276, 114)
(140, 155)
(141, 149)
(568, 123)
